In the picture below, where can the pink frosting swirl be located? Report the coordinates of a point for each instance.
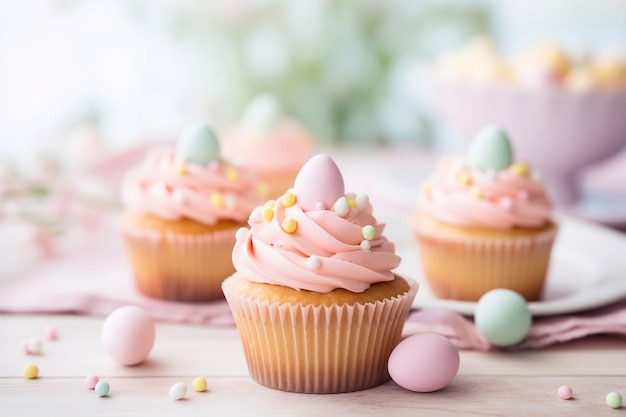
(171, 190)
(459, 195)
(325, 252)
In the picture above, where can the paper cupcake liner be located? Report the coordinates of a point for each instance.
(462, 267)
(319, 349)
(175, 266)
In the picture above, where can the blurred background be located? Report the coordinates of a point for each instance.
(80, 79)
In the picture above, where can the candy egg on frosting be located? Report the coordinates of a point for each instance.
(198, 144)
(262, 113)
(491, 149)
(319, 184)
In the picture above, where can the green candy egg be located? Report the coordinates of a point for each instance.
(503, 317)
(198, 144)
(262, 113)
(491, 149)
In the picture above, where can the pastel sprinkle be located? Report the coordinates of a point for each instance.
(289, 199)
(613, 399)
(362, 201)
(368, 232)
(199, 383)
(102, 388)
(256, 214)
(313, 262)
(262, 188)
(178, 391)
(179, 197)
(241, 233)
(506, 203)
(465, 178)
(91, 381)
(217, 199)
(34, 346)
(352, 203)
(366, 245)
(565, 392)
(476, 193)
(289, 225)
(50, 333)
(229, 201)
(24, 346)
(267, 214)
(523, 195)
(520, 168)
(214, 166)
(270, 203)
(30, 371)
(232, 174)
(341, 206)
(180, 170)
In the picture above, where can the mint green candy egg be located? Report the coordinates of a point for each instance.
(262, 113)
(614, 399)
(198, 144)
(491, 149)
(503, 317)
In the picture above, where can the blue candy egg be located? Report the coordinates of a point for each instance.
(491, 149)
(503, 317)
(198, 144)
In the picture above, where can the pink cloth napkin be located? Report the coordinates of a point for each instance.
(96, 279)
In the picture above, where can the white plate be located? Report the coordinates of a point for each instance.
(587, 270)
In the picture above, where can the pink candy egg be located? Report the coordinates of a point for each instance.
(424, 362)
(128, 335)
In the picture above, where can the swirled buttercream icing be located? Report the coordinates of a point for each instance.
(191, 182)
(316, 237)
(482, 191)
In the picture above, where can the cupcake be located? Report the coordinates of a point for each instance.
(183, 207)
(269, 144)
(315, 299)
(483, 222)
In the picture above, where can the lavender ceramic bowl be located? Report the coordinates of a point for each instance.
(558, 131)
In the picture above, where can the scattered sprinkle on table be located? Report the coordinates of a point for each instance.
(614, 399)
(565, 392)
(91, 381)
(30, 371)
(102, 388)
(178, 391)
(50, 333)
(199, 383)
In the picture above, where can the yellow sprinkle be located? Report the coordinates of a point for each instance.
(476, 193)
(232, 174)
(30, 371)
(520, 168)
(267, 214)
(465, 178)
(217, 199)
(181, 170)
(262, 189)
(270, 204)
(199, 384)
(289, 199)
(289, 225)
(352, 203)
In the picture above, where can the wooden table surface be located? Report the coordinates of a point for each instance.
(492, 383)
